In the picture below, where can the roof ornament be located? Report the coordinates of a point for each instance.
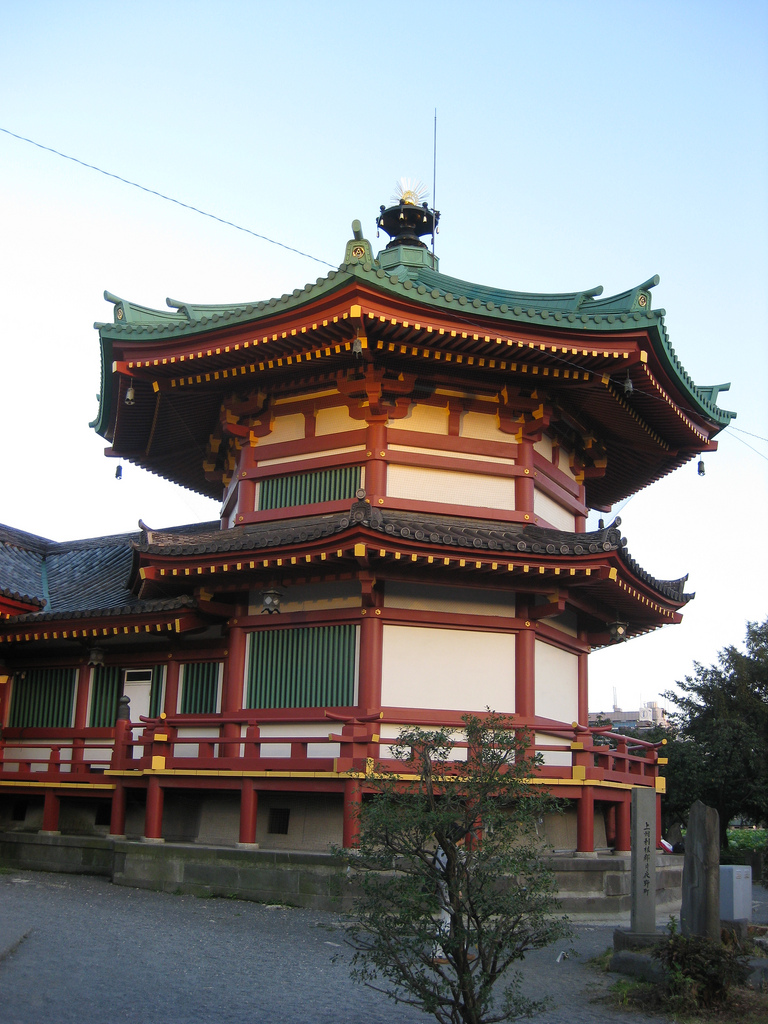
(411, 218)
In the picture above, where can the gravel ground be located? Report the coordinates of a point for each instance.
(78, 949)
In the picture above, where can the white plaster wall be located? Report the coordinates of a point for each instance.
(466, 600)
(451, 669)
(391, 731)
(449, 487)
(430, 419)
(555, 514)
(561, 758)
(557, 682)
(544, 447)
(284, 428)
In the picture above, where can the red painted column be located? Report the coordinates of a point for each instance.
(585, 821)
(524, 483)
(375, 465)
(171, 699)
(525, 663)
(623, 830)
(81, 710)
(117, 816)
(583, 689)
(249, 805)
(232, 687)
(371, 646)
(658, 820)
(51, 806)
(352, 800)
(153, 819)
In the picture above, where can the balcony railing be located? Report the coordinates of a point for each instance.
(238, 742)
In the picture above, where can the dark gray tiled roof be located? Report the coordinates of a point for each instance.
(73, 578)
(454, 531)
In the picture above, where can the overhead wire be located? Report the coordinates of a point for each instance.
(169, 199)
(573, 364)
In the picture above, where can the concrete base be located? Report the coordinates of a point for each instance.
(590, 888)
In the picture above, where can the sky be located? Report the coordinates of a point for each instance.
(578, 143)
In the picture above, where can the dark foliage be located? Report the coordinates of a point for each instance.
(700, 972)
(443, 933)
(721, 754)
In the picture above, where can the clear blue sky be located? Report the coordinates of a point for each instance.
(578, 144)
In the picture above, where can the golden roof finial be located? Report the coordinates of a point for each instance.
(410, 191)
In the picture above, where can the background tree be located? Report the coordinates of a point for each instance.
(723, 715)
(441, 932)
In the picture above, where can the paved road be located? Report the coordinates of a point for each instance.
(96, 953)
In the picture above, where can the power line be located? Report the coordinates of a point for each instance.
(169, 199)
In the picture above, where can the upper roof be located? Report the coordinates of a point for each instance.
(151, 347)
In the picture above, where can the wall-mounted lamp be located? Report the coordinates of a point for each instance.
(618, 631)
(130, 395)
(96, 656)
(270, 601)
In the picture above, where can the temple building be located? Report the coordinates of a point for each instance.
(405, 463)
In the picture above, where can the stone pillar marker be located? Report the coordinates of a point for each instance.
(700, 914)
(643, 920)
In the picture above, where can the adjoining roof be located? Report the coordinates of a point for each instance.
(72, 579)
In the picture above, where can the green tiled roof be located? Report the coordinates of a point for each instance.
(579, 310)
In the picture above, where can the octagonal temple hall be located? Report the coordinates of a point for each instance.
(405, 463)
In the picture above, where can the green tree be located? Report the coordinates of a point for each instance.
(722, 718)
(452, 888)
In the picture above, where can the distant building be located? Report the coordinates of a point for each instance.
(649, 716)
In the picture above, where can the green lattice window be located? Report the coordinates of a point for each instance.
(309, 488)
(302, 668)
(43, 698)
(200, 688)
(106, 688)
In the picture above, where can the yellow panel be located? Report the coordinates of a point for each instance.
(335, 420)
(284, 428)
(428, 418)
(483, 426)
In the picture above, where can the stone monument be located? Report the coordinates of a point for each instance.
(701, 874)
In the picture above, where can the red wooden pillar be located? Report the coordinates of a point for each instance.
(375, 465)
(153, 818)
(171, 699)
(51, 805)
(371, 646)
(658, 820)
(524, 482)
(583, 690)
(585, 821)
(232, 687)
(117, 815)
(353, 798)
(249, 805)
(623, 830)
(525, 663)
(81, 711)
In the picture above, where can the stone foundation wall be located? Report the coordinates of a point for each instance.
(589, 886)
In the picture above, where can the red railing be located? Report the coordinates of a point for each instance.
(238, 743)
